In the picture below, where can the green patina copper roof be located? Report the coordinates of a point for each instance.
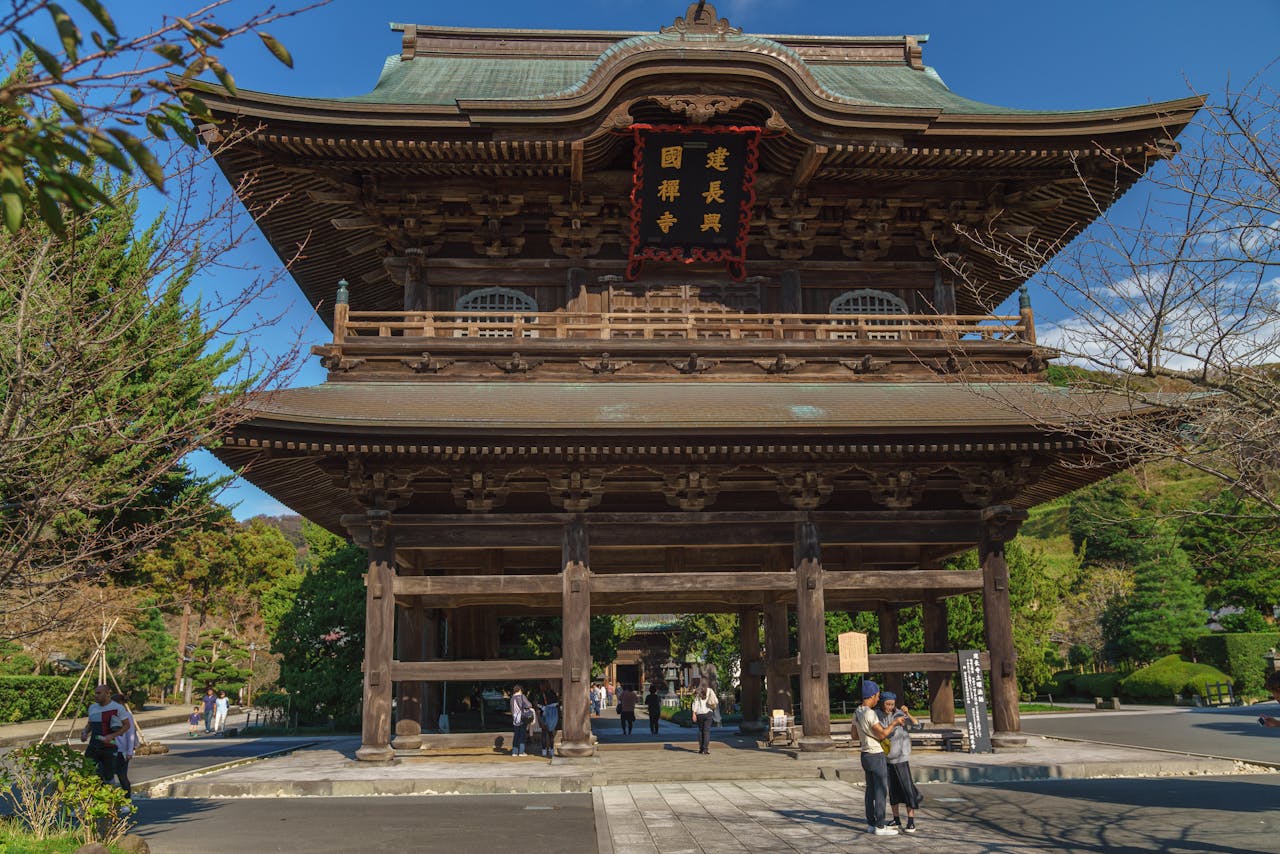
(446, 79)
(442, 80)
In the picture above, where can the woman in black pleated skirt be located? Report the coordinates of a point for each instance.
(902, 789)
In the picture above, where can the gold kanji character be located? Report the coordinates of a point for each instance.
(711, 222)
(673, 157)
(714, 193)
(666, 221)
(716, 158)
(669, 190)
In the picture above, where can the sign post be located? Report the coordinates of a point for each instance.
(853, 652)
(976, 722)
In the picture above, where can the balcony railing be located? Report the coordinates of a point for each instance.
(691, 326)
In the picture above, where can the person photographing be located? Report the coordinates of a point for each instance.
(872, 736)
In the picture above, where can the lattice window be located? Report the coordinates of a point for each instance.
(867, 301)
(496, 299)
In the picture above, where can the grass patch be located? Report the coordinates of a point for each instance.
(1042, 708)
(16, 841)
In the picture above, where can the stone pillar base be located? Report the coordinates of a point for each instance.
(375, 753)
(575, 750)
(1008, 740)
(816, 743)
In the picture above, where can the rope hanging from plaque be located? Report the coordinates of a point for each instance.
(692, 193)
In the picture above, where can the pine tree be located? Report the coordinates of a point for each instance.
(1166, 609)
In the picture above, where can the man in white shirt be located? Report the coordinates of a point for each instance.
(108, 720)
(866, 723)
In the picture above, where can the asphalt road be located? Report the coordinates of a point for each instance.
(1228, 732)
(528, 824)
(186, 756)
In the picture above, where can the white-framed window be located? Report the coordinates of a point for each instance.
(495, 299)
(868, 301)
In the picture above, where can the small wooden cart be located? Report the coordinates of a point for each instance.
(782, 726)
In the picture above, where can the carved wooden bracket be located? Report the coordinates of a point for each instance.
(378, 490)
(865, 365)
(950, 365)
(426, 365)
(804, 489)
(987, 484)
(1000, 523)
(379, 527)
(340, 363)
(695, 489)
(779, 364)
(898, 488)
(577, 490)
(516, 365)
(699, 109)
(693, 365)
(603, 365)
(480, 491)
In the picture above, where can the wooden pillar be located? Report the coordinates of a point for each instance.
(942, 702)
(815, 695)
(379, 647)
(887, 618)
(752, 689)
(575, 644)
(777, 648)
(415, 286)
(409, 647)
(999, 525)
(431, 693)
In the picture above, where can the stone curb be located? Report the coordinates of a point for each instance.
(604, 839)
(162, 786)
(363, 788)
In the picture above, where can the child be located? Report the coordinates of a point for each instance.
(902, 790)
(193, 722)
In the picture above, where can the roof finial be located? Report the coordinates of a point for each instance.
(1024, 298)
(701, 18)
(343, 295)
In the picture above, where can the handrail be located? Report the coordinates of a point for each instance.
(692, 325)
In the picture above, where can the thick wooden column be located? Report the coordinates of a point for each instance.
(415, 286)
(815, 695)
(752, 688)
(409, 647)
(431, 693)
(999, 525)
(777, 648)
(575, 644)
(379, 647)
(942, 702)
(887, 618)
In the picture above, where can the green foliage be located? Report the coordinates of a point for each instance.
(72, 101)
(1170, 675)
(145, 655)
(53, 789)
(1235, 548)
(531, 638)
(1111, 521)
(1088, 685)
(710, 638)
(13, 661)
(1166, 611)
(1241, 656)
(218, 662)
(321, 639)
(30, 698)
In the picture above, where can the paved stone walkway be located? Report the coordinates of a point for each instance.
(764, 816)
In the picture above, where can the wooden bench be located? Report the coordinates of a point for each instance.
(947, 739)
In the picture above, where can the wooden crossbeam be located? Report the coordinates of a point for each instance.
(898, 662)
(478, 671)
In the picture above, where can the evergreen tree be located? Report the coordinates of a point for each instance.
(1110, 521)
(1166, 610)
(1234, 546)
(143, 655)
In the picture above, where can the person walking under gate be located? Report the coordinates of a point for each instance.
(871, 735)
(521, 715)
(627, 700)
(704, 708)
(654, 704)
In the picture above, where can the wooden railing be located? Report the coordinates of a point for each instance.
(705, 326)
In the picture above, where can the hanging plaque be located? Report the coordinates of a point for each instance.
(692, 192)
(974, 689)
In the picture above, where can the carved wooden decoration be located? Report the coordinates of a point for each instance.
(481, 491)
(576, 490)
(899, 487)
(426, 365)
(700, 19)
(694, 364)
(603, 365)
(516, 365)
(779, 364)
(804, 489)
(699, 109)
(694, 489)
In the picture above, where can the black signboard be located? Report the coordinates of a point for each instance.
(975, 701)
(692, 195)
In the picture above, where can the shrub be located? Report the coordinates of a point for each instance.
(1241, 656)
(53, 789)
(1168, 676)
(1086, 685)
(29, 698)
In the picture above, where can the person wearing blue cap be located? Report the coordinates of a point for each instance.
(871, 734)
(902, 789)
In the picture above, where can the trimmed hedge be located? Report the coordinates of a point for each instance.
(1170, 675)
(1239, 654)
(33, 698)
(1086, 685)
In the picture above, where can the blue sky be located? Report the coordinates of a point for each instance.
(1082, 55)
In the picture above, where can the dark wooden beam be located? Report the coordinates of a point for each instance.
(505, 670)
(901, 662)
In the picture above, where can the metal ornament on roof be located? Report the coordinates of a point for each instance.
(693, 189)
